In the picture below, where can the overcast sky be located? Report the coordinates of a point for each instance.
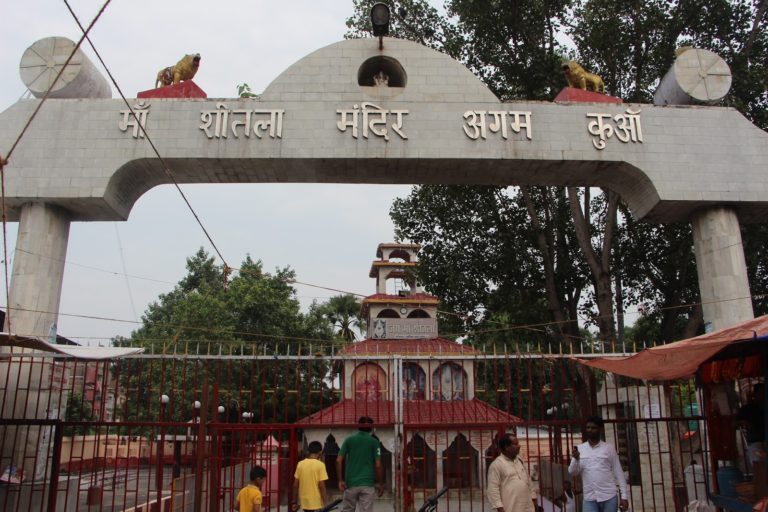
(327, 233)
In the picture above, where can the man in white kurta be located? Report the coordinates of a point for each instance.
(509, 485)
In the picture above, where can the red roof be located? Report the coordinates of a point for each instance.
(682, 358)
(415, 412)
(420, 347)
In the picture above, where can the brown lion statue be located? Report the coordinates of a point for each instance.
(579, 78)
(185, 69)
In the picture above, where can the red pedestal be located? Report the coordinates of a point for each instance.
(580, 96)
(188, 89)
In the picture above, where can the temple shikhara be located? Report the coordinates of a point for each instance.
(405, 374)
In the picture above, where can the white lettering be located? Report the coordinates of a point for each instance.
(375, 121)
(627, 129)
(216, 122)
(477, 126)
(136, 119)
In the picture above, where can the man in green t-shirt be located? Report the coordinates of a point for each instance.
(363, 475)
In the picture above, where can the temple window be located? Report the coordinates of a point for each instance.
(414, 382)
(449, 382)
(370, 382)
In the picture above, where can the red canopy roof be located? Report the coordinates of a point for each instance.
(682, 358)
(415, 412)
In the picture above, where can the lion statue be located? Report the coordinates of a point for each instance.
(577, 77)
(185, 69)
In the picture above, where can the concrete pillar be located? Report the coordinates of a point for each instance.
(38, 270)
(36, 281)
(723, 282)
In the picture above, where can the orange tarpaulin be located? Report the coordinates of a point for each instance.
(682, 358)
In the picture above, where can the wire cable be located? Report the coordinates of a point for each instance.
(125, 273)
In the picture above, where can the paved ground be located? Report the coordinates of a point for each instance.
(458, 506)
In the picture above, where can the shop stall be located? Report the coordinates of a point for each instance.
(730, 367)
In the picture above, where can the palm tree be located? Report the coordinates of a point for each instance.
(343, 311)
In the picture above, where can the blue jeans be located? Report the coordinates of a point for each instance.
(611, 505)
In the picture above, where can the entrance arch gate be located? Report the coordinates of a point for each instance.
(324, 120)
(321, 121)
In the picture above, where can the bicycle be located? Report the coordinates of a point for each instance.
(430, 504)
(331, 506)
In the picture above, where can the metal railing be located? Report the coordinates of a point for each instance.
(88, 436)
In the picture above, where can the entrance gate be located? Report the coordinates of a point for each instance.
(117, 446)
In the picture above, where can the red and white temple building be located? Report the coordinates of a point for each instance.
(418, 388)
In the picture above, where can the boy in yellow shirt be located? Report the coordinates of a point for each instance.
(309, 480)
(249, 498)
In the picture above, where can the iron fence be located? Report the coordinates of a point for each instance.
(183, 431)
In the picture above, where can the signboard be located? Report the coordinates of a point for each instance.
(403, 328)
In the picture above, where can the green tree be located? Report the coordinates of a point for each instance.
(414, 20)
(479, 256)
(252, 313)
(512, 46)
(343, 311)
(664, 286)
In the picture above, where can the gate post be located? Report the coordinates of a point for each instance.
(58, 434)
(723, 281)
(398, 467)
(200, 457)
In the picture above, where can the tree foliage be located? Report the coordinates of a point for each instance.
(478, 256)
(78, 410)
(253, 313)
(343, 312)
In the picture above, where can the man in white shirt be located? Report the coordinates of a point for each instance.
(598, 464)
(509, 485)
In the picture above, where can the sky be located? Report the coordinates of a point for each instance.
(327, 233)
